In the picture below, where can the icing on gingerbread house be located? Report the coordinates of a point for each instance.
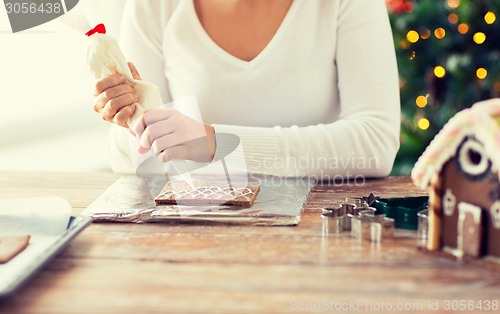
(461, 170)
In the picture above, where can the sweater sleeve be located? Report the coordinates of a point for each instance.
(365, 138)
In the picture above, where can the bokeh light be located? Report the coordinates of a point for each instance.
(425, 34)
(463, 28)
(479, 38)
(453, 4)
(412, 36)
(439, 33)
(423, 124)
(421, 101)
(453, 18)
(481, 73)
(405, 44)
(490, 18)
(439, 71)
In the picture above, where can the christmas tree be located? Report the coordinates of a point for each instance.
(449, 58)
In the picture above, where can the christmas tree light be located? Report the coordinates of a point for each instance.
(479, 38)
(463, 28)
(490, 17)
(453, 18)
(481, 73)
(439, 71)
(423, 124)
(440, 33)
(421, 101)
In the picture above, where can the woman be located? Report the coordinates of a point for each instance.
(309, 86)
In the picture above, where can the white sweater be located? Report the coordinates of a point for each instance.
(320, 100)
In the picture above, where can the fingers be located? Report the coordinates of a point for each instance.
(196, 150)
(173, 153)
(165, 142)
(118, 90)
(155, 131)
(157, 115)
(172, 146)
(171, 135)
(116, 104)
(124, 115)
(99, 103)
(116, 98)
(111, 93)
(148, 118)
(138, 127)
(107, 82)
(135, 73)
(141, 150)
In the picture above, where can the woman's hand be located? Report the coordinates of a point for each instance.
(116, 98)
(172, 135)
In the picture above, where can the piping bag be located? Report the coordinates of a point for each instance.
(104, 57)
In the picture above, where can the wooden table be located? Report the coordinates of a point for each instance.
(181, 268)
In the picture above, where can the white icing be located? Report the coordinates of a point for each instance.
(495, 214)
(467, 208)
(468, 165)
(449, 201)
(464, 209)
(453, 251)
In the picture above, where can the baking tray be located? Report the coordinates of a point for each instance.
(76, 225)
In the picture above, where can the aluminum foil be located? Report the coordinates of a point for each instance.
(131, 199)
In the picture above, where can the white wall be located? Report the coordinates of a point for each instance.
(46, 118)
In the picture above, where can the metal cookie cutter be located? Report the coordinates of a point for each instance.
(333, 220)
(370, 227)
(423, 228)
(356, 216)
(352, 207)
(338, 219)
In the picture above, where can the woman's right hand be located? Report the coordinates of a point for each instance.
(116, 98)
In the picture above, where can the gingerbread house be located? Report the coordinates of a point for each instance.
(461, 170)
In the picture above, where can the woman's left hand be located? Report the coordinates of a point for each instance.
(172, 135)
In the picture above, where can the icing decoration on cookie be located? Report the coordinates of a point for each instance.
(495, 214)
(472, 160)
(449, 202)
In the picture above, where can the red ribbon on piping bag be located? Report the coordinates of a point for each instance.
(101, 29)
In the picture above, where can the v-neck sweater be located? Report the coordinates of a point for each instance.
(321, 99)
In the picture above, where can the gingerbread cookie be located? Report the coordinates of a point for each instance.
(11, 246)
(208, 193)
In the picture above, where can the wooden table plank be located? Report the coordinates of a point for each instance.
(122, 286)
(240, 244)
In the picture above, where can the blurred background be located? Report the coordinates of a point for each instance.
(47, 122)
(448, 57)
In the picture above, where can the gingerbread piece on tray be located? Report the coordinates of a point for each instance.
(11, 246)
(208, 193)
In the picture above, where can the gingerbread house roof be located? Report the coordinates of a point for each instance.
(481, 120)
